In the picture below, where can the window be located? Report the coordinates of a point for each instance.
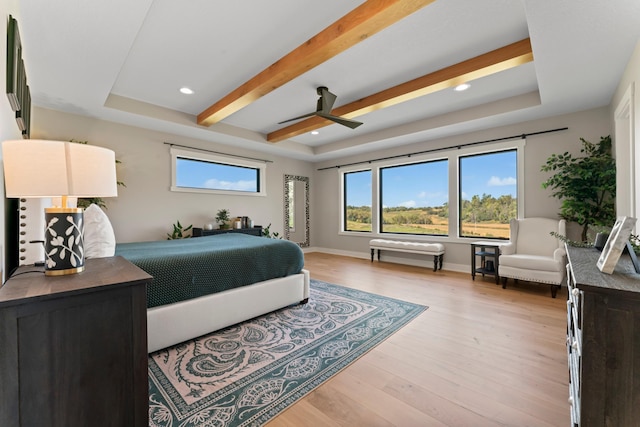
(357, 201)
(460, 193)
(414, 198)
(204, 172)
(488, 194)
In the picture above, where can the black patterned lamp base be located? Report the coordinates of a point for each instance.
(63, 241)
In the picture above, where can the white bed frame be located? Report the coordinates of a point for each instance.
(171, 324)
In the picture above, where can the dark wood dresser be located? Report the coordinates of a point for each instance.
(603, 341)
(254, 231)
(73, 349)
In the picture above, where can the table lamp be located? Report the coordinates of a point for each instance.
(59, 169)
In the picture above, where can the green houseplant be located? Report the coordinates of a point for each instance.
(266, 232)
(586, 185)
(179, 232)
(222, 217)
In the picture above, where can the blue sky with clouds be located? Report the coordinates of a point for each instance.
(426, 184)
(201, 174)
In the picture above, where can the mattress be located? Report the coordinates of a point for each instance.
(190, 268)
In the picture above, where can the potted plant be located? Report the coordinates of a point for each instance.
(178, 232)
(266, 232)
(222, 217)
(586, 185)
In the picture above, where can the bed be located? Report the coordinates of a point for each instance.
(207, 283)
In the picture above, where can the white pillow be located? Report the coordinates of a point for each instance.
(99, 239)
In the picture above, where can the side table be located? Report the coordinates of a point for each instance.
(73, 349)
(489, 254)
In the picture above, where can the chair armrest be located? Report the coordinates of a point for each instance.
(508, 249)
(559, 254)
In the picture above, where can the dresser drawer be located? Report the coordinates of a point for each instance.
(576, 298)
(574, 361)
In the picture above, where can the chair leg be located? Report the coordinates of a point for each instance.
(504, 283)
(554, 290)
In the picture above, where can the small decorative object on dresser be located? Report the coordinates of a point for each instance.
(615, 244)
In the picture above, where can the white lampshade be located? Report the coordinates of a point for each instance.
(39, 168)
(52, 169)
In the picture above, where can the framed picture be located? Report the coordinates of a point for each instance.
(14, 52)
(615, 244)
(634, 258)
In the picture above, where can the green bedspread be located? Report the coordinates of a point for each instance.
(190, 268)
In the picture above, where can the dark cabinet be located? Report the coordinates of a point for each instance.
(255, 231)
(603, 341)
(73, 349)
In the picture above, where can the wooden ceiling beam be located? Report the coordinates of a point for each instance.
(362, 22)
(501, 59)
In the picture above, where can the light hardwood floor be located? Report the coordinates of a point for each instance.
(479, 356)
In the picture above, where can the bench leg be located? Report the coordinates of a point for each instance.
(435, 262)
(378, 254)
(440, 257)
(372, 251)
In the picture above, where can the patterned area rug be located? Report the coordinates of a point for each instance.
(246, 374)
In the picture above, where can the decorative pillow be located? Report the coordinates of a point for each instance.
(99, 239)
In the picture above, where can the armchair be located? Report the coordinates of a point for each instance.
(533, 254)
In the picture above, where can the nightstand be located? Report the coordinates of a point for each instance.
(73, 349)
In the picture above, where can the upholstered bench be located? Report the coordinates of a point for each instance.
(435, 249)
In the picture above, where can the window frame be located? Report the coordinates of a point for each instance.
(381, 207)
(343, 206)
(459, 198)
(260, 167)
(452, 155)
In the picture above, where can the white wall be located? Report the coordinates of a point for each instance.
(625, 114)
(146, 208)
(591, 124)
(8, 127)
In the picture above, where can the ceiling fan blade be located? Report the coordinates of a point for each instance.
(340, 120)
(323, 109)
(304, 116)
(326, 101)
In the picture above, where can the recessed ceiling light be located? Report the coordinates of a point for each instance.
(463, 86)
(314, 132)
(186, 90)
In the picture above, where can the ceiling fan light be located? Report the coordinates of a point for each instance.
(186, 90)
(462, 87)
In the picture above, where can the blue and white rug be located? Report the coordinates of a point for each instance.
(246, 374)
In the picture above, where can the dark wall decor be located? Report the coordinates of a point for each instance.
(17, 87)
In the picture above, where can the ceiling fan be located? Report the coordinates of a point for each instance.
(323, 109)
